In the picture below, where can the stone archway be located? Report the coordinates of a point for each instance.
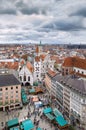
(27, 84)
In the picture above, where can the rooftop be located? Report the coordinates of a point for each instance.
(51, 73)
(8, 80)
(72, 82)
(75, 62)
(29, 66)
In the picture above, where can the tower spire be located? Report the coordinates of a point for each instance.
(37, 49)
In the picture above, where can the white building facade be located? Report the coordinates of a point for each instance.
(42, 63)
(26, 74)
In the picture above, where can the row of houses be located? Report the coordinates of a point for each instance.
(13, 74)
(69, 88)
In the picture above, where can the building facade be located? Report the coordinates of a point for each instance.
(74, 65)
(26, 74)
(70, 95)
(42, 62)
(10, 92)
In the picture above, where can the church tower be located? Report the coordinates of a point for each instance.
(37, 65)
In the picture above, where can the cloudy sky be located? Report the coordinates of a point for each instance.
(49, 21)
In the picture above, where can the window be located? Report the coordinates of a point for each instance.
(0, 89)
(82, 72)
(11, 96)
(83, 100)
(24, 77)
(16, 87)
(6, 88)
(20, 78)
(11, 87)
(6, 97)
(28, 78)
(37, 63)
(16, 91)
(78, 71)
(0, 94)
(74, 70)
(0, 98)
(37, 76)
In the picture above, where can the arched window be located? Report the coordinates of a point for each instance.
(21, 78)
(78, 71)
(24, 77)
(28, 78)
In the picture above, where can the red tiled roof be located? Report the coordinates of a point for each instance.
(22, 62)
(38, 89)
(10, 65)
(78, 74)
(56, 58)
(37, 58)
(42, 57)
(75, 62)
(29, 66)
(51, 73)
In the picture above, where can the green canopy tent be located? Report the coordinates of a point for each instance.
(47, 110)
(35, 84)
(38, 128)
(49, 116)
(12, 123)
(57, 112)
(27, 125)
(22, 90)
(61, 121)
(32, 90)
(14, 128)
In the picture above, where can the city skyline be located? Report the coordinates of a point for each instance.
(51, 21)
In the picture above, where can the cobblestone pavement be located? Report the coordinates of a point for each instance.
(22, 114)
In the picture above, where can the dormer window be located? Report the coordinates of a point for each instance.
(74, 70)
(82, 72)
(78, 71)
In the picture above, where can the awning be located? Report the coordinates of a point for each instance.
(31, 90)
(47, 110)
(35, 84)
(49, 116)
(27, 125)
(61, 121)
(14, 128)
(12, 122)
(57, 112)
(38, 128)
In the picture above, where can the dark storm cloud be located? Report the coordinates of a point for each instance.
(79, 12)
(8, 11)
(29, 11)
(46, 19)
(7, 7)
(64, 25)
(30, 8)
